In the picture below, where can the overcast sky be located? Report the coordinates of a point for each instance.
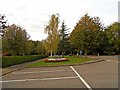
(33, 15)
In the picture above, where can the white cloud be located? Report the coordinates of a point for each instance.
(34, 14)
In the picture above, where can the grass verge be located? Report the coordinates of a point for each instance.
(72, 60)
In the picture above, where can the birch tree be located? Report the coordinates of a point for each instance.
(51, 29)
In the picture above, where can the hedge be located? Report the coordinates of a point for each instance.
(14, 60)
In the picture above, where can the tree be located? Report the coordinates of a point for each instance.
(40, 49)
(112, 32)
(15, 40)
(2, 24)
(85, 34)
(30, 47)
(64, 46)
(98, 34)
(53, 34)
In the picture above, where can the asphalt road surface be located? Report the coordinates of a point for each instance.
(114, 57)
(95, 75)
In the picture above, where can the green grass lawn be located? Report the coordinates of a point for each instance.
(72, 60)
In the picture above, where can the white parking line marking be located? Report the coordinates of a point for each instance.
(108, 60)
(84, 82)
(43, 79)
(116, 61)
(39, 72)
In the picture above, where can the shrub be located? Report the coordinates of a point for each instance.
(14, 60)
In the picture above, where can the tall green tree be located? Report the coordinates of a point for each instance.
(85, 35)
(64, 46)
(40, 48)
(15, 40)
(98, 34)
(30, 47)
(51, 29)
(112, 32)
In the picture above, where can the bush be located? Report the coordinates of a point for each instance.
(14, 60)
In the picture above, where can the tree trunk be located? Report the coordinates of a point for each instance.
(51, 53)
(98, 55)
(85, 54)
(62, 54)
(77, 54)
(54, 54)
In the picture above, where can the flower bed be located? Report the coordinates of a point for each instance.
(56, 60)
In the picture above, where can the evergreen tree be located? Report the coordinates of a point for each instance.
(64, 45)
(63, 39)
